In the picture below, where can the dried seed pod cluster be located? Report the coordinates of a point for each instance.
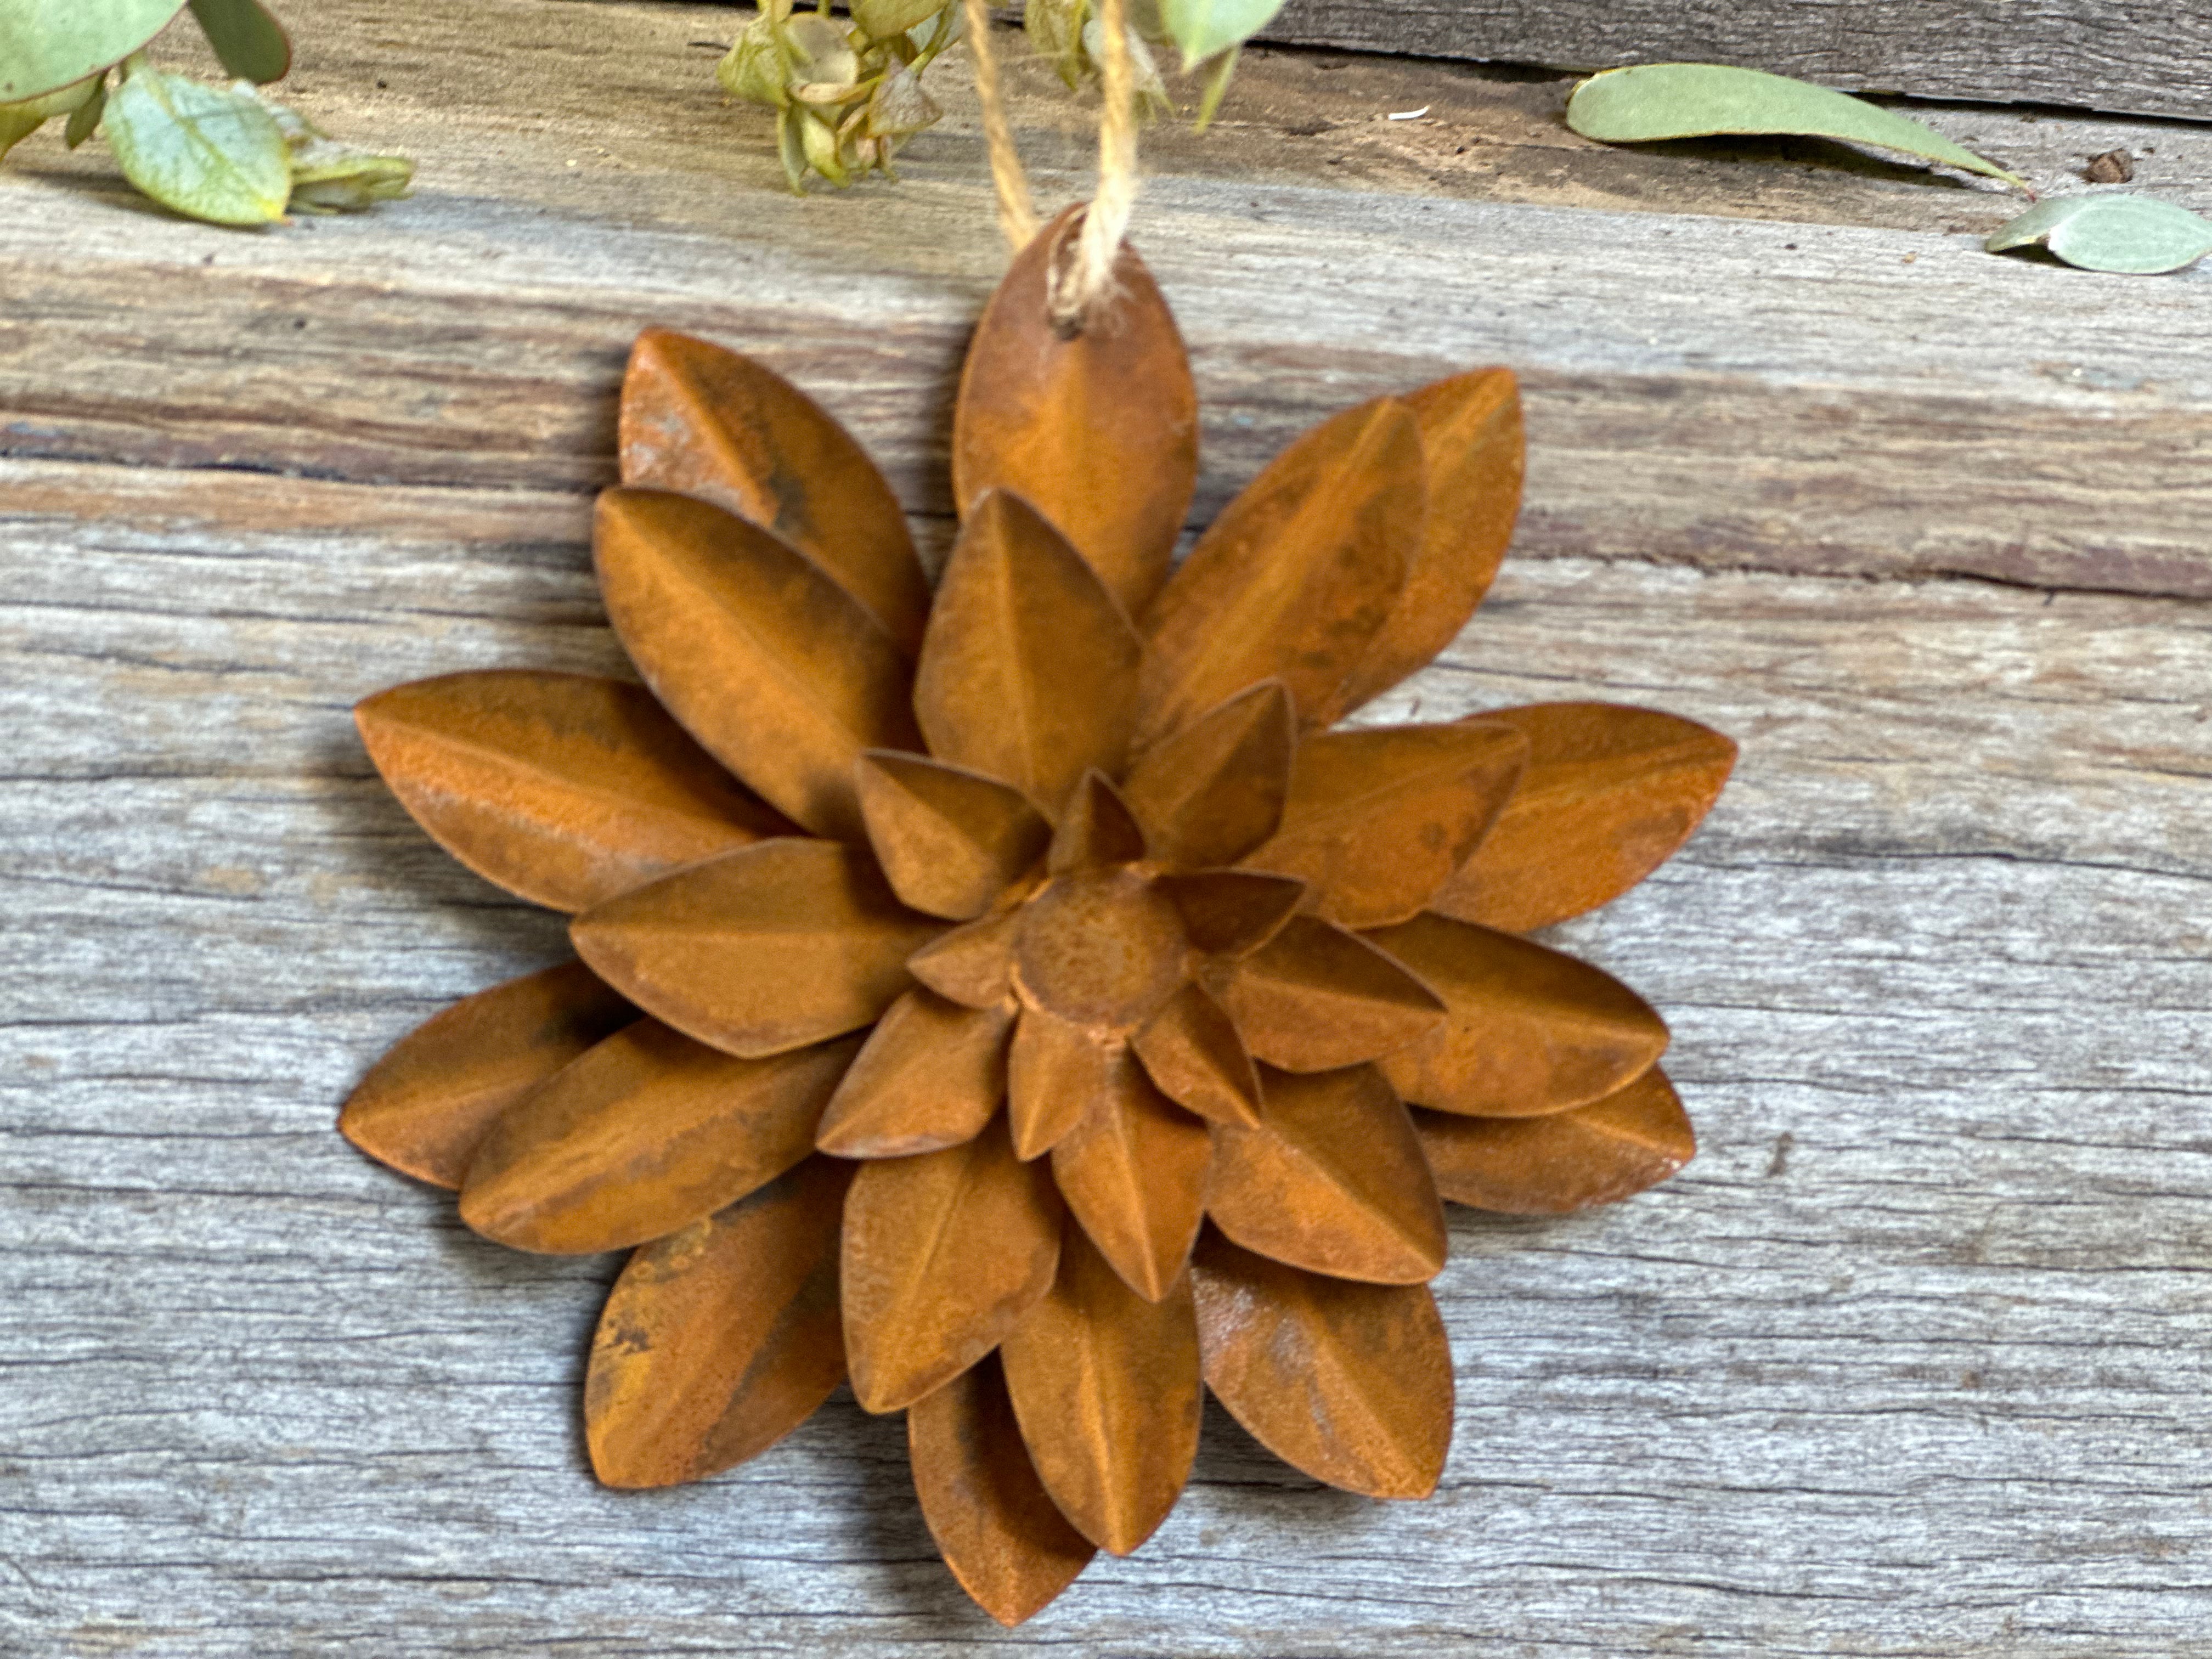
(1016, 997)
(845, 94)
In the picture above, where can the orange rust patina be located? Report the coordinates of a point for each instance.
(1014, 997)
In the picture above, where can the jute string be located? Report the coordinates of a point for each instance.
(1016, 216)
(1085, 282)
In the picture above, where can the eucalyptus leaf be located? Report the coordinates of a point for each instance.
(822, 54)
(1202, 28)
(1652, 102)
(19, 121)
(208, 152)
(250, 42)
(2134, 236)
(84, 119)
(49, 44)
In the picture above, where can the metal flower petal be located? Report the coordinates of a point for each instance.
(719, 1340)
(1212, 791)
(769, 948)
(951, 840)
(1609, 795)
(1133, 1173)
(1633, 1138)
(1192, 1053)
(1030, 667)
(426, 1105)
(996, 1525)
(1098, 428)
(1333, 1180)
(931, 1075)
(1352, 1384)
(1315, 998)
(943, 1254)
(644, 1134)
(1470, 440)
(1527, 1030)
(709, 421)
(1106, 1387)
(1297, 576)
(781, 673)
(1377, 820)
(562, 788)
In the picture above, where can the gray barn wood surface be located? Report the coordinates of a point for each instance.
(2151, 57)
(1915, 1359)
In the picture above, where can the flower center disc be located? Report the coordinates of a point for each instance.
(1102, 948)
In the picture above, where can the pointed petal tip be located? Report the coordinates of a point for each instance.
(700, 419)
(1275, 1338)
(1610, 793)
(1030, 667)
(1099, 428)
(1298, 574)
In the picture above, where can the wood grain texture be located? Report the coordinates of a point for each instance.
(2154, 59)
(1912, 1361)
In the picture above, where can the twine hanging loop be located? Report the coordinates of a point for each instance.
(1082, 284)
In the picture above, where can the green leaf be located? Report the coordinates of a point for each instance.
(20, 120)
(1653, 102)
(84, 119)
(2135, 235)
(249, 41)
(1216, 84)
(1204, 27)
(47, 44)
(17, 122)
(208, 152)
(327, 176)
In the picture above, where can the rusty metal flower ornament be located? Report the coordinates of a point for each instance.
(1016, 997)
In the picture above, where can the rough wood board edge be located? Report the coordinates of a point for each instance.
(2139, 60)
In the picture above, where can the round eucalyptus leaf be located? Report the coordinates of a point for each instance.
(2133, 235)
(47, 44)
(208, 152)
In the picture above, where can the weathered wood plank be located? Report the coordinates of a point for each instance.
(1910, 1362)
(1767, 392)
(2153, 60)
